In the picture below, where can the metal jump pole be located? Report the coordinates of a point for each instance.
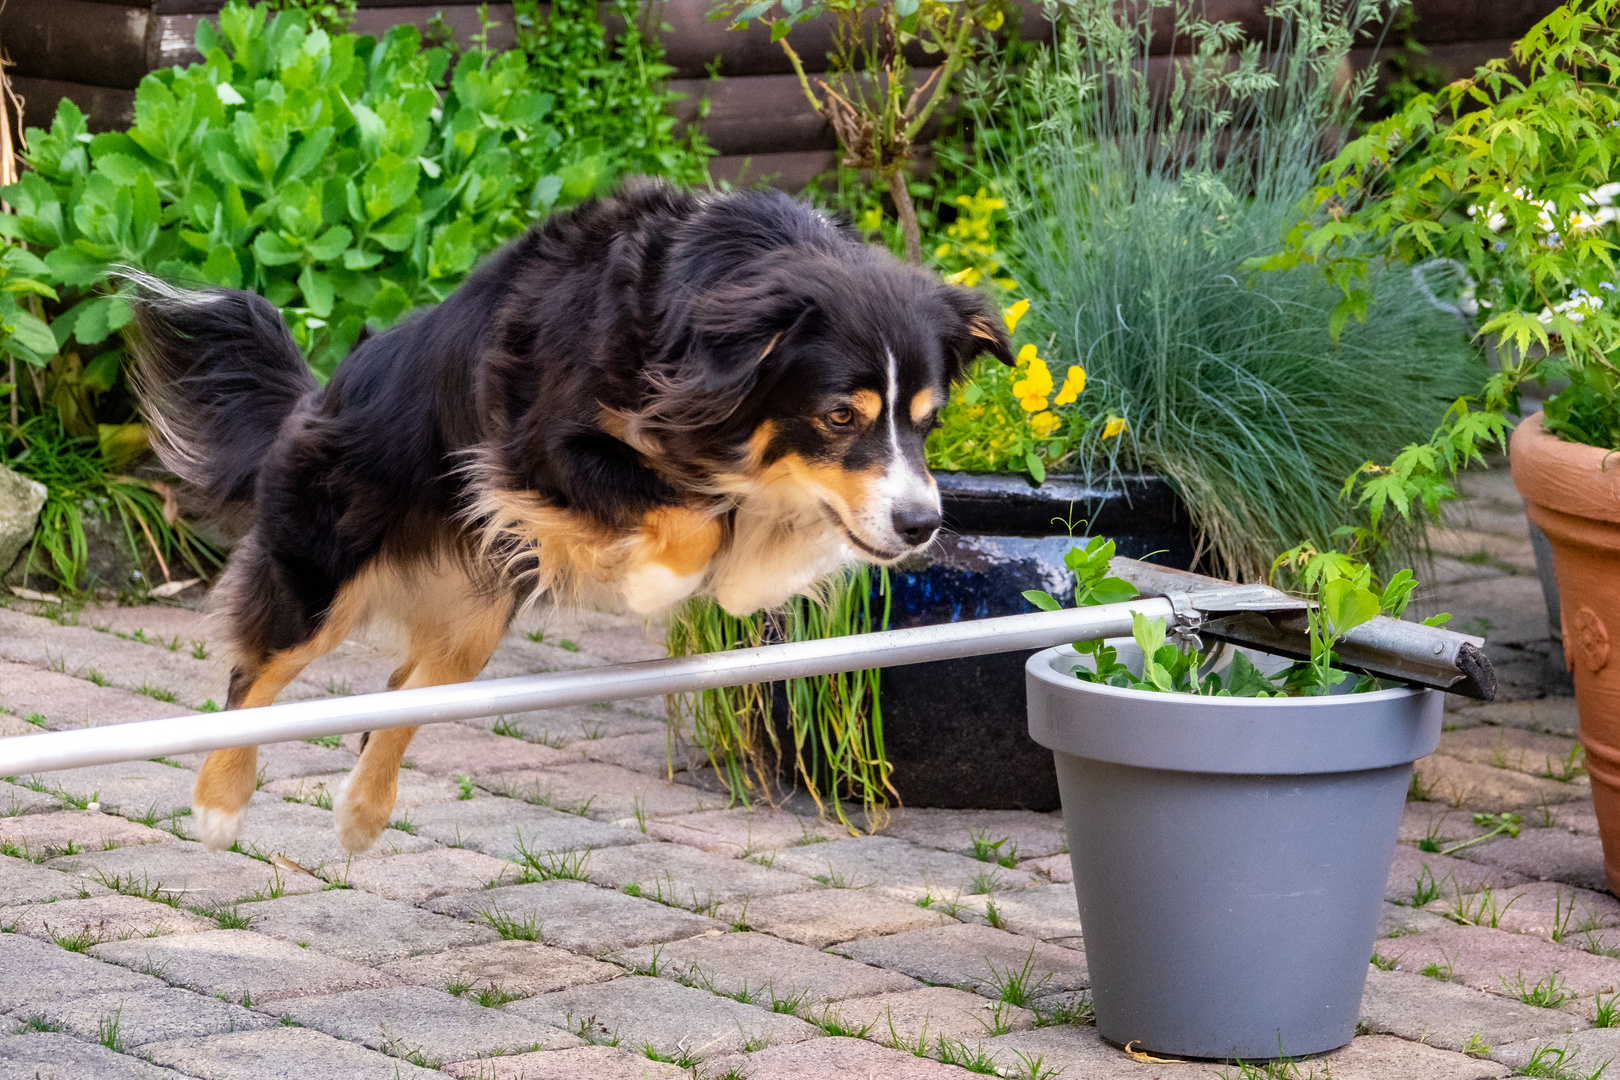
(1442, 660)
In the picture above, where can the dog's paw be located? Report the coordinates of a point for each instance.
(216, 829)
(359, 821)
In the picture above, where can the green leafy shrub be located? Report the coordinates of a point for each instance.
(1511, 180)
(345, 179)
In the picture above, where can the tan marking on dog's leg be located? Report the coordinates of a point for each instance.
(671, 557)
(227, 779)
(453, 649)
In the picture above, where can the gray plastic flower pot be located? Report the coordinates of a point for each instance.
(1230, 854)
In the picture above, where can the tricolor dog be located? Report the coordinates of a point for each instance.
(653, 396)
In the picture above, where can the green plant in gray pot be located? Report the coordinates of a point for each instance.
(1231, 823)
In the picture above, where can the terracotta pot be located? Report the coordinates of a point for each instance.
(1573, 493)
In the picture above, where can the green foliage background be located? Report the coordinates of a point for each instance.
(344, 178)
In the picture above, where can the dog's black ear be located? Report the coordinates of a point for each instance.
(726, 343)
(976, 329)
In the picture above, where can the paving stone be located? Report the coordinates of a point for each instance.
(1024, 834)
(897, 869)
(157, 621)
(39, 835)
(423, 1024)
(423, 875)
(1452, 1017)
(1531, 752)
(837, 1059)
(1554, 715)
(645, 752)
(68, 703)
(503, 827)
(130, 787)
(972, 957)
(688, 877)
(1058, 868)
(765, 969)
(1549, 908)
(307, 836)
(934, 1012)
(81, 651)
(415, 789)
(593, 1062)
(1484, 959)
(101, 918)
(279, 762)
(822, 917)
(1437, 822)
(1381, 1057)
(744, 831)
(358, 926)
(452, 750)
(239, 964)
(1545, 855)
(16, 799)
(1576, 1055)
(604, 792)
(281, 1053)
(35, 975)
(1577, 817)
(21, 882)
(148, 1016)
(1457, 783)
(185, 871)
(579, 729)
(1396, 920)
(1048, 912)
(11, 726)
(1075, 1052)
(1415, 871)
(518, 968)
(45, 1055)
(578, 917)
(642, 1011)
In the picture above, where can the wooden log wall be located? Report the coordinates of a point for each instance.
(95, 52)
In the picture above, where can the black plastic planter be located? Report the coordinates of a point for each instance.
(956, 731)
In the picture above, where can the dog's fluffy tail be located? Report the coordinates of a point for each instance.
(217, 372)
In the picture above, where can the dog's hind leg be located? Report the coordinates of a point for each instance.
(228, 778)
(449, 644)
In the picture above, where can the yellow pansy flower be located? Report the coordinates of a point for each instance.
(1043, 423)
(968, 277)
(1114, 426)
(1032, 390)
(1074, 384)
(1013, 314)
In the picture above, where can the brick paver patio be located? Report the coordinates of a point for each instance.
(549, 904)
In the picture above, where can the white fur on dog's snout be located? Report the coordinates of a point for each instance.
(906, 484)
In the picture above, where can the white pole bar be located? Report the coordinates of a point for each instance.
(25, 754)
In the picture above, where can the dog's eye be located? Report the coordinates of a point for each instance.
(841, 417)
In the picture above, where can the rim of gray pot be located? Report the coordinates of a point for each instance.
(1190, 733)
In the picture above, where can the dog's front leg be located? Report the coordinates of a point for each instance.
(670, 559)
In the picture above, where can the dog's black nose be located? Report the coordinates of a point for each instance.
(915, 524)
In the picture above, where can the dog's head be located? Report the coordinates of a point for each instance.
(815, 380)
